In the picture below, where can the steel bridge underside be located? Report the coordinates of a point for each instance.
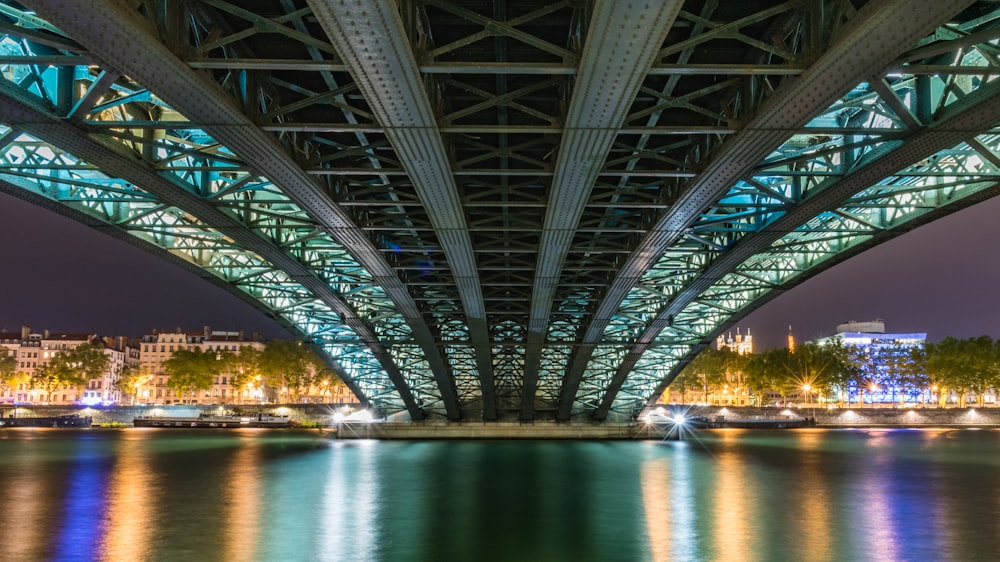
(503, 209)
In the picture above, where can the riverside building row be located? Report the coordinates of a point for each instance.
(145, 356)
(883, 353)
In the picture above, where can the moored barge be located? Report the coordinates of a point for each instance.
(68, 420)
(215, 421)
(738, 423)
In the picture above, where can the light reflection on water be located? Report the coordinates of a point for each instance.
(811, 494)
(129, 522)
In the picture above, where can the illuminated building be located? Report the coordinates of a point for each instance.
(34, 350)
(157, 347)
(740, 343)
(881, 355)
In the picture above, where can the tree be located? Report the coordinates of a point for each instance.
(811, 370)
(191, 370)
(72, 368)
(242, 367)
(707, 372)
(128, 381)
(764, 371)
(820, 368)
(682, 383)
(908, 370)
(962, 366)
(982, 372)
(289, 365)
(325, 379)
(10, 377)
(734, 374)
(849, 370)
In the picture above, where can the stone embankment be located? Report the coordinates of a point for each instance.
(310, 414)
(856, 417)
(322, 416)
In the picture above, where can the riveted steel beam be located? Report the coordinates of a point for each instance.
(20, 112)
(622, 40)
(126, 44)
(972, 115)
(370, 37)
(878, 33)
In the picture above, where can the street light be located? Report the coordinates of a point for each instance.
(871, 390)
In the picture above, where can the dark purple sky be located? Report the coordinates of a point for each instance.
(56, 274)
(61, 276)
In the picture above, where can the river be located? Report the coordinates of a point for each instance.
(289, 495)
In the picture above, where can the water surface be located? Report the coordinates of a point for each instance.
(246, 495)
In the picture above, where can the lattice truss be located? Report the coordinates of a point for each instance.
(194, 198)
(489, 208)
(832, 189)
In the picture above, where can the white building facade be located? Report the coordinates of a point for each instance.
(156, 348)
(34, 350)
(883, 355)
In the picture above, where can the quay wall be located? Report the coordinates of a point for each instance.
(321, 415)
(858, 417)
(313, 414)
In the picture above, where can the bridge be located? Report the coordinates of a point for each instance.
(510, 209)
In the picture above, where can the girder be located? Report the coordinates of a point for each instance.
(876, 36)
(118, 38)
(963, 121)
(621, 43)
(21, 113)
(504, 208)
(369, 36)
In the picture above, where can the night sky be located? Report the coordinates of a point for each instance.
(59, 275)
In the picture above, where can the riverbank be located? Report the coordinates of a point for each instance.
(855, 417)
(658, 425)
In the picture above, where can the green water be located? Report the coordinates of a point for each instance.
(247, 495)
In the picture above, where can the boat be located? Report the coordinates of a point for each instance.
(223, 421)
(751, 423)
(67, 420)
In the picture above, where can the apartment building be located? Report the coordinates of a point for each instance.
(157, 347)
(32, 350)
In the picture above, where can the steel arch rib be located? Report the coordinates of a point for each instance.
(870, 42)
(117, 38)
(114, 231)
(369, 36)
(21, 114)
(974, 114)
(622, 42)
